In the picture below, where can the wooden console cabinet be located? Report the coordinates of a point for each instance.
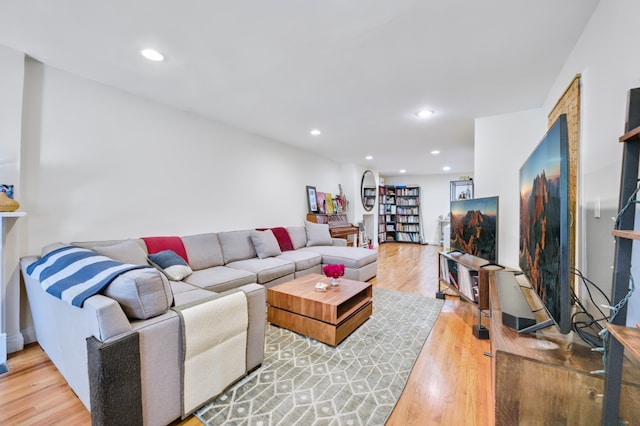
(547, 377)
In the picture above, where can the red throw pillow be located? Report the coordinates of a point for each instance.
(157, 244)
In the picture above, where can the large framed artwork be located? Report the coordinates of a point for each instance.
(569, 105)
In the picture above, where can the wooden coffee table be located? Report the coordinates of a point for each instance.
(328, 317)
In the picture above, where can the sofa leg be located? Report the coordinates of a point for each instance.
(114, 381)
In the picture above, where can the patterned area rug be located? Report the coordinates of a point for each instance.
(305, 382)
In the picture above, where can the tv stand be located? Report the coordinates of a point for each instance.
(516, 312)
(468, 277)
(546, 377)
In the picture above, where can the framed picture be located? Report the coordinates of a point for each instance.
(311, 199)
(322, 202)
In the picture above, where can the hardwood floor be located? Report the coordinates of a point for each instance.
(450, 383)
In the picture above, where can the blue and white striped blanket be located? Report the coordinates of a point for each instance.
(74, 274)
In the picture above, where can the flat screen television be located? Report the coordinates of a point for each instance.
(544, 223)
(474, 227)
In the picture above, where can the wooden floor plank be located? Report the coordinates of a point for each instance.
(450, 383)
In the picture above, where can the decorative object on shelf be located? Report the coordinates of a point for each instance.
(334, 271)
(311, 199)
(8, 204)
(341, 203)
(461, 189)
(8, 189)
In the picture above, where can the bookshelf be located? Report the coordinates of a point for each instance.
(408, 226)
(382, 226)
(399, 214)
(389, 205)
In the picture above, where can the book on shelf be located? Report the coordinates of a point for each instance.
(444, 269)
(467, 281)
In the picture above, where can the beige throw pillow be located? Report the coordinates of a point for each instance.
(317, 234)
(265, 243)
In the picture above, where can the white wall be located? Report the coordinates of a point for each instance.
(100, 164)
(604, 56)
(434, 199)
(502, 144)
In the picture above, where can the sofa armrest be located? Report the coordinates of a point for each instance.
(257, 306)
(339, 242)
(110, 319)
(101, 315)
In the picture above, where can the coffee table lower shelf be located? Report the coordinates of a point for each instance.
(330, 334)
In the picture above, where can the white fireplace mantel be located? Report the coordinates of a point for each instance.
(9, 280)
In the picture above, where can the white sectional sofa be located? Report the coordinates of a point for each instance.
(120, 352)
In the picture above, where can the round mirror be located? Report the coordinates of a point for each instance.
(368, 190)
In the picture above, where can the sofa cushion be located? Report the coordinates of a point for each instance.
(265, 243)
(317, 234)
(267, 269)
(142, 293)
(351, 257)
(171, 264)
(203, 250)
(302, 259)
(236, 245)
(220, 278)
(298, 236)
(128, 251)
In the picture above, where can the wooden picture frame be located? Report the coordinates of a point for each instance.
(312, 201)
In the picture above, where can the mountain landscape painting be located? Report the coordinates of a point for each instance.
(474, 227)
(543, 221)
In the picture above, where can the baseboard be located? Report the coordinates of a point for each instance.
(15, 343)
(29, 335)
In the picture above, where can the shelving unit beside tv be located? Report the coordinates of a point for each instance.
(622, 337)
(408, 226)
(468, 277)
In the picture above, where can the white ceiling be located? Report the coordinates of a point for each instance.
(357, 70)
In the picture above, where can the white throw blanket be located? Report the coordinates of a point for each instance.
(214, 343)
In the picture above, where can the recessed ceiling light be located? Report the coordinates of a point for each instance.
(403, 171)
(435, 152)
(424, 113)
(152, 55)
(369, 157)
(315, 132)
(446, 168)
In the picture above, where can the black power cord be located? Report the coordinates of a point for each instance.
(589, 327)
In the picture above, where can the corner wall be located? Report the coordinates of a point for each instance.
(502, 144)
